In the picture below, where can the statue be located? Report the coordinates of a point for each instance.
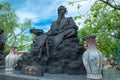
(2, 43)
(36, 45)
(2, 40)
(63, 27)
(38, 42)
(57, 50)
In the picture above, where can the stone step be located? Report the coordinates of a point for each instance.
(16, 75)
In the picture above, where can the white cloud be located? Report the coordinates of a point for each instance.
(43, 10)
(1, 0)
(35, 9)
(25, 14)
(37, 12)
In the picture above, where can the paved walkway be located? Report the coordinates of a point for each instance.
(111, 74)
(108, 74)
(17, 76)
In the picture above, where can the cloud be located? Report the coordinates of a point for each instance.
(44, 12)
(40, 12)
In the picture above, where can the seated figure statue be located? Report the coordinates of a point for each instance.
(63, 27)
(62, 46)
(60, 29)
(38, 42)
(58, 49)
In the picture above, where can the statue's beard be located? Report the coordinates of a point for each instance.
(60, 16)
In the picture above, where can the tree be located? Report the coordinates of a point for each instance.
(103, 20)
(14, 30)
(112, 3)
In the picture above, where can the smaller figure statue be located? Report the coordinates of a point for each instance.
(38, 42)
(2, 40)
(35, 45)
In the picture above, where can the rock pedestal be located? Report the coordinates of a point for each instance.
(58, 50)
(2, 61)
(66, 58)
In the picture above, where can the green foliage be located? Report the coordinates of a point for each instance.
(104, 22)
(71, 3)
(77, 17)
(13, 29)
(78, 7)
(25, 41)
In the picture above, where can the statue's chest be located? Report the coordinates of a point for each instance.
(62, 24)
(64, 21)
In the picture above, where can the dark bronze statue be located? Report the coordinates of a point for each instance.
(58, 50)
(2, 43)
(38, 42)
(62, 28)
(2, 40)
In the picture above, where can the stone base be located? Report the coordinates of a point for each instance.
(94, 76)
(17, 76)
(2, 60)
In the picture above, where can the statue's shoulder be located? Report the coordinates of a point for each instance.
(69, 18)
(54, 22)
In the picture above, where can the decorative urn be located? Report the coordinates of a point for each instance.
(92, 59)
(11, 59)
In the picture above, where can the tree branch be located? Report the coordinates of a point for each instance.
(110, 4)
(77, 1)
(15, 39)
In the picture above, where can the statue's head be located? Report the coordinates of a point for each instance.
(62, 10)
(1, 31)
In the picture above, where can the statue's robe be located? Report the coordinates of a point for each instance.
(66, 28)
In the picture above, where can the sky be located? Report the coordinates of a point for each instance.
(43, 12)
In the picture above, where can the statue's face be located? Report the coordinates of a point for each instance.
(61, 11)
